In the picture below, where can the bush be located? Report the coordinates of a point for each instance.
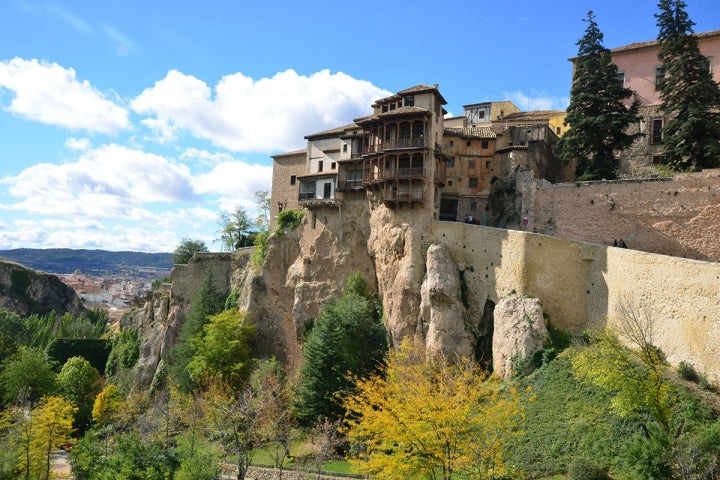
(289, 220)
(585, 469)
(687, 372)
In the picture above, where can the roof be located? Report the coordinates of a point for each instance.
(290, 154)
(534, 115)
(333, 132)
(654, 43)
(471, 132)
(421, 88)
(398, 112)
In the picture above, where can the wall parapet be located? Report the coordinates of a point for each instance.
(583, 286)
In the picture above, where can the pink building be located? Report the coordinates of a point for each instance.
(640, 70)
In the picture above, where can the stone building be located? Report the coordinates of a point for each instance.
(639, 69)
(285, 186)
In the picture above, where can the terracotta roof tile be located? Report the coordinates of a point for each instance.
(333, 131)
(471, 132)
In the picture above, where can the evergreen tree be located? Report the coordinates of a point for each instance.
(207, 302)
(597, 116)
(348, 340)
(690, 97)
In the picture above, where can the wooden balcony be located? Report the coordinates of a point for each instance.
(349, 185)
(403, 173)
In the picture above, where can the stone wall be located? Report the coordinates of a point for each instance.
(187, 279)
(679, 217)
(583, 286)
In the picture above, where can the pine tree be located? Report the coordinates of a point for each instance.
(690, 98)
(597, 116)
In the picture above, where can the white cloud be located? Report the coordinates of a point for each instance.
(266, 115)
(79, 144)
(109, 182)
(537, 100)
(52, 94)
(235, 183)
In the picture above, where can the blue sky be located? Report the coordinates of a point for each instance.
(128, 125)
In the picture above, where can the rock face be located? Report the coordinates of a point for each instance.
(519, 331)
(157, 324)
(27, 292)
(441, 310)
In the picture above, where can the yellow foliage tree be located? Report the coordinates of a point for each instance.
(48, 427)
(431, 419)
(107, 406)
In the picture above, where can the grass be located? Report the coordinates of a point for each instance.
(301, 451)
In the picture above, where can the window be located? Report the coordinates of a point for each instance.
(659, 77)
(707, 64)
(409, 101)
(332, 166)
(451, 161)
(384, 108)
(320, 166)
(484, 144)
(293, 179)
(487, 164)
(467, 143)
(557, 131)
(656, 159)
(471, 164)
(451, 143)
(481, 114)
(656, 133)
(392, 106)
(473, 182)
(620, 77)
(449, 183)
(344, 147)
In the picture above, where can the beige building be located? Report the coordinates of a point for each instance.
(395, 153)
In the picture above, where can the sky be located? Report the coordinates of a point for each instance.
(130, 125)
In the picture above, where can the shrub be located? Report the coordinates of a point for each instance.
(289, 220)
(687, 372)
(585, 469)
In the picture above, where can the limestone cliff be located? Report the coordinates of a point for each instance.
(27, 292)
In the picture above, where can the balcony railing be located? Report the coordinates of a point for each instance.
(344, 185)
(412, 172)
(404, 143)
(407, 197)
(306, 196)
(395, 144)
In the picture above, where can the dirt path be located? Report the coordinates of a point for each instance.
(60, 466)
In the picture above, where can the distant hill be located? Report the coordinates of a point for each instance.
(90, 262)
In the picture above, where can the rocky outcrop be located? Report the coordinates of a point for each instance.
(27, 292)
(519, 331)
(157, 324)
(441, 310)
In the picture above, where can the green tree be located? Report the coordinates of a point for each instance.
(187, 248)
(235, 229)
(222, 350)
(26, 376)
(13, 333)
(79, 383)
(206, 302)
(690, 97)
(332, 353)
(431, 419)
(597, 116)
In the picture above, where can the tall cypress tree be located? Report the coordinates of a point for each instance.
(597, 116)
(690, 98)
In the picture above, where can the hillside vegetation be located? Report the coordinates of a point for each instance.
(91, 262)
